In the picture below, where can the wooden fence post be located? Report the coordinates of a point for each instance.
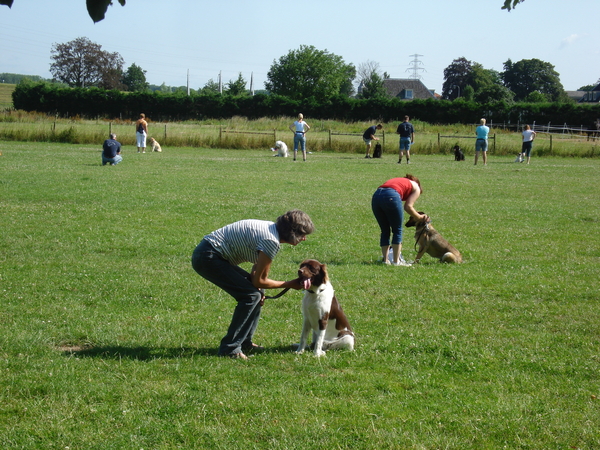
(165, 138)
(330, 140)
(439, 142)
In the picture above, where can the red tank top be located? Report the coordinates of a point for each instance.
(401, 185)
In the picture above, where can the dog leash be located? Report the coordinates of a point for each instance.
(425, 228)
(278, 295)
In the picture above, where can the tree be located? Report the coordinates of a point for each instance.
(308, 72)
(510, 4)
(237, 87)
(487, 85)
(456, 78)
(211, 87)
(589, 87)
(529, 75)
(370, 80)
(135, 79)
(82, 63)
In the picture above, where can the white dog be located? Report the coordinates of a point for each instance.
(322, 312)
(281, 149)
(155, 145)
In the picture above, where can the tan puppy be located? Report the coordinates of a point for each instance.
(155, 145)
(432, 242)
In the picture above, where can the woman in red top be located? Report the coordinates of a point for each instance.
(387, 208)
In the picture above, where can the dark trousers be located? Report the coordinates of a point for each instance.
(234, 280)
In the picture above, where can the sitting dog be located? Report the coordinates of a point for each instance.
(458, 154)
(432, 242)
(322, 312)
(155, 145)
(281, 149)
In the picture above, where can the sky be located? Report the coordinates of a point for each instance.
(171, 38)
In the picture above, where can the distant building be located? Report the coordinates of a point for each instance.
(592, 96)
(407, 89)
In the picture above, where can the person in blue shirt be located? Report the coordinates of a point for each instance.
(407, 138)
(369, 135)
(111, 151)
(481, 144)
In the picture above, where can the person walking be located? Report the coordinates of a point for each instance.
(481, 144)
(386, 204)
(369, 135)
(407, 138)
(528, 137)
(217, 258)
(141, 132)
(111, 151)
(300, 128)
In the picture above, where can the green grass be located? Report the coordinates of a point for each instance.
(109, 338)
(242, 134)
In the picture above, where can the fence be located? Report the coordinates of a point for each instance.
(490, 138)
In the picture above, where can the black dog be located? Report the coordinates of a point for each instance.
(458, 154)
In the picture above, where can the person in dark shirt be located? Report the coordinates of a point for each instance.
(407, 138)
(369, 135)
(111, 151)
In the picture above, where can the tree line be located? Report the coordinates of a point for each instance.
(159, 106)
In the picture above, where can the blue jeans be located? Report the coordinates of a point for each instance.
(387, 209)
(299, 138)
(234, 280)
(116, 160)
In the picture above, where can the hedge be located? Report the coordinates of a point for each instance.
(111, 104)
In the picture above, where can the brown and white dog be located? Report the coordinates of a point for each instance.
(429, 240)
(322, 312)
(155, 145)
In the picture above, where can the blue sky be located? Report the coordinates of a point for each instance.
(169, 37)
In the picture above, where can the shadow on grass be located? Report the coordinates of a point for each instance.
(142, 353)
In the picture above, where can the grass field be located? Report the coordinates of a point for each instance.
(108, 337)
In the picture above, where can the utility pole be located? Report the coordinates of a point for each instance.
(415, 67)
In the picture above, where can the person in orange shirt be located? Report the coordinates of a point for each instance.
(141, 132)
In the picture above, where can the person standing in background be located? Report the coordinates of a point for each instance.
(528, 137)
(141, 131)
(407, 138)
(481, 144)
(300, 128)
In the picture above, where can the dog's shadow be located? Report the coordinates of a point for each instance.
(143, 353)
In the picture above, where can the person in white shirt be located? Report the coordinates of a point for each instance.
(217, 260)
(300, 128)
(528, 137)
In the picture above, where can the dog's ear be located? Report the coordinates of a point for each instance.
(324, 273)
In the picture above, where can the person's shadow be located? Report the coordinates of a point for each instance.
(143, 353)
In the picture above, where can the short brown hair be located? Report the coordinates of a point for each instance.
(293, 225)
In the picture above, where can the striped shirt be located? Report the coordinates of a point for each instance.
(241, 241)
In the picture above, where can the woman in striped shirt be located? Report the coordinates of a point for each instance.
(217, 259)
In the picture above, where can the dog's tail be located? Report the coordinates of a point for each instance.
(449, 257)
(345, 342)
